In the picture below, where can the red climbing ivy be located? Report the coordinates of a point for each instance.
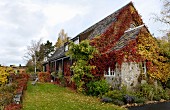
(144, 48)
(106, 41)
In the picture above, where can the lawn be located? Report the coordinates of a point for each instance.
(46, 96)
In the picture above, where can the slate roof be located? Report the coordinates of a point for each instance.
(129, 35)
(97, 29)
(58, 54)
(101, 26)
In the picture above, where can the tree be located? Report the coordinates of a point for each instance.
(48, 49)
(164, 44)
(30, 66)
(165, 13)
(62, 38)
(36, 53)
(32, 52)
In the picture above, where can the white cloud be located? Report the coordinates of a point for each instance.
(146, 10)
(60, 13)
(24, 20)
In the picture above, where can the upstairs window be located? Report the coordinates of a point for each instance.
(76, 41)
(66, 47)
(132, 25)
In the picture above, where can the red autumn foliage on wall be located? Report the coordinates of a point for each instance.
(67, 68)
(106, 41)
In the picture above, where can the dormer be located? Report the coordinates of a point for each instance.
(66, 47)
(132, 27)
(76, 40)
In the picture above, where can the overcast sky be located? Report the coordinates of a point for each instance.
(24, 20)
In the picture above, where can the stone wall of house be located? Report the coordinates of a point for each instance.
(129, 74)
(115, 80)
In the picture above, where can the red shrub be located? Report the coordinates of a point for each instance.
(24, 75)
(44, 76)
(22, 83)
(13, 106)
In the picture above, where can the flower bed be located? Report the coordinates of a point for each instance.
(12, 93)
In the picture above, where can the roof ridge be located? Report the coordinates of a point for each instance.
(92, 26)
(131, 29)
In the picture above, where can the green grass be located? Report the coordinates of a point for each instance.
(46, 96)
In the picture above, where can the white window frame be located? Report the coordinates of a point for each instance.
(76, 41)
(66, 47)
(110, 73)
(144, 67)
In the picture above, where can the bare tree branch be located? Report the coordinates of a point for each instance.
(32, 49)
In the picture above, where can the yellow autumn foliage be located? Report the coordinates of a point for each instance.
(4, 72)
(150, 51)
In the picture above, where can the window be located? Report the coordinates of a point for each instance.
(76, 41)
(110, 73)
(66, 47)
(144, 67)
(132, 25)
(45, 59)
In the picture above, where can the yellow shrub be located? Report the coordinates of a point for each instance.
(3, 75)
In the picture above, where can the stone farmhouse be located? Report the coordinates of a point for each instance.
(117, 32)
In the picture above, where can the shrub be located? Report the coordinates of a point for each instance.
(152, 92)
(6, 93)
(128, 99)
(24, 75)
(115, 94)
(3, 76)
(118, 102)
(106, 99)
(157, 97)
(141, 77)
(13, 106)
(139, 100)
(8, 88)
(12, 76)
(81, 53)
(5, 98)
(44, 76)
(168, 84)
(96, 88)
(147, 91)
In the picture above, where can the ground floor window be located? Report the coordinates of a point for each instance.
(143, 67)
(109, 73)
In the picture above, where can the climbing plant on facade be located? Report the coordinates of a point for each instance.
(157, 64)
(106, 41)
(81, 54)
(143, 48)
